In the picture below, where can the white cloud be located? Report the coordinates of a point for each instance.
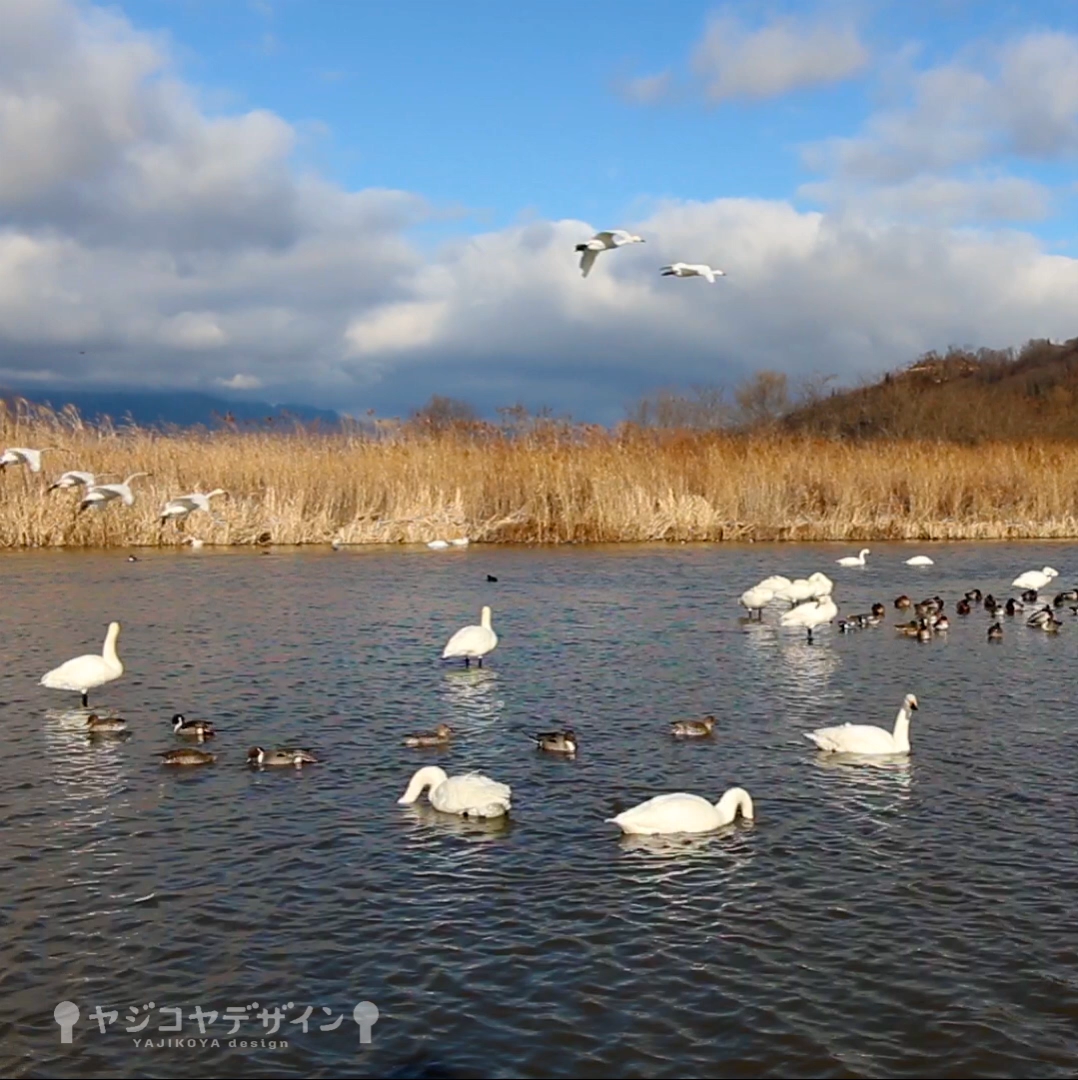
(783, 55)
(645, 89)
(241, 382)
(148, 241)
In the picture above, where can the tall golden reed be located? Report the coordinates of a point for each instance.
(548, 483)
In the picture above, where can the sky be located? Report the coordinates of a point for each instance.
(361, 204)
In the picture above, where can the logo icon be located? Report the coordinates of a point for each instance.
(66, 1014)
(366, 1015)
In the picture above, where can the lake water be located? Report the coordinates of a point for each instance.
(880, 922)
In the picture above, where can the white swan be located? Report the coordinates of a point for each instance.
(182, 507)
(810, 614)
(756, 599)
(854, 560)
(680, 269)
(796, 591)
(774, 582)
(85, 672)
(72, 478)
(1035, 579)
(195, 542)
(865, 738)
(460, 541)
(684, 813)
(470, 795)
(920, 560)
(472, 642)
(22, 455)
(603, 241)
(100, 495)
(438, 545)
(822, 585)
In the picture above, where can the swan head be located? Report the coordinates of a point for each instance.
(215, 492)
(1049, 572)
(484, 617)
(910, 702)
(430, 776)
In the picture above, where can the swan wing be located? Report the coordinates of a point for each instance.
(473, 794)
(587, 261)
(853, 739)
(470, 641)
(678, 812)
(80, 673)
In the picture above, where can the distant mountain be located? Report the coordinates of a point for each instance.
(183, 408)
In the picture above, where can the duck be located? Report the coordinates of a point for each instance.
(942, 623)
(557, 742)
(924, 631)
(1030, 596)
(756, 599)
(468, 795)
(1013, 607)
(974, 596)
(1066, 597)
(491, 578)
(910, 629)
(879, 610)
(992, 605)
(845, 626)
(85, 673)
(472, 642)
(682, 812)
(285, 755)
(693, 729)
(192, 729)
(995, 632)
(963, 607)
(902, 602)
(188, 755)
(1040, 617)
(853, 560)
(105, 725)
(866, 738)
(438, 737)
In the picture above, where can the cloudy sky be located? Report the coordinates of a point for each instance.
(361, 204)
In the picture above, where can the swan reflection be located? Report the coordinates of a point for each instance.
(83, 766)
(425, 817)
(472, 694)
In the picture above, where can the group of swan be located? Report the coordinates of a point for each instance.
(609, 239)
(810, 600)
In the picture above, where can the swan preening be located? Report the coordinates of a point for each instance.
(603, 241)
(84, 673)
(815, 587)
(684, 813)
(470, 795)
(756, 599)
(865, 738)
(810, 614)
(100, 495)
(680, 269)
(854, 560)
(1035, 579)
(920, 560)
(472, 642)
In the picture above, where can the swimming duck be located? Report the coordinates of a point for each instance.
(992, 605)
(1030, 596)
(903, 602)
(491, 577)
(1065, 597)
(1039, 618)
(879, 610)
(291, 755)
(963, 607)
(942, 623)
(105, 725)
(995, 632)
(1012, 607)
(557, 742)
(693, 729)
(187, 756)
(438, 737)
(924, 631)
(974, 596)
(192, 729)
(845, 626)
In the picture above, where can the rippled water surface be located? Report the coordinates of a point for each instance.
(909, 920)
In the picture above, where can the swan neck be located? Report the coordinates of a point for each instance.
(109, 651)
(429, 777)
(901, 734)
(484, 618)
(733, 801)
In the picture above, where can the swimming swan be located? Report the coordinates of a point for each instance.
(684, 813)
(86, 672)
(472, 642)
(470, 795)
(865, 738)
(854, 560)
(920, 560)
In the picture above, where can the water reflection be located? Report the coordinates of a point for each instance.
(424, 817)
(472, 694)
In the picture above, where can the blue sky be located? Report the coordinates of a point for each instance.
(359, 204)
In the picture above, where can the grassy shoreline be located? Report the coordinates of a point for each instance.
(550, 483)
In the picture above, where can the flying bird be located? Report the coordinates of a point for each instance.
(680, 269)
(73, 478)
(100, 495)
(604, 241)
(21, 455)
(182, 507)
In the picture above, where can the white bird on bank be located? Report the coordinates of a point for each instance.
(73, 479)
(472, 642)
(1035, 579)
(100, 495)
(22, 455)
(604, 241)
(756, 599)
(195, 542)
(810, 614)
(920, 560)
(681, 812)
(680, 269)
(84, 673)
(866, 738)
(182, 507)
(460, 541)
(470, 794)
(854, 560)
(438, 545)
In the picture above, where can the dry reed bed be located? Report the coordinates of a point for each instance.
(547, 485)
